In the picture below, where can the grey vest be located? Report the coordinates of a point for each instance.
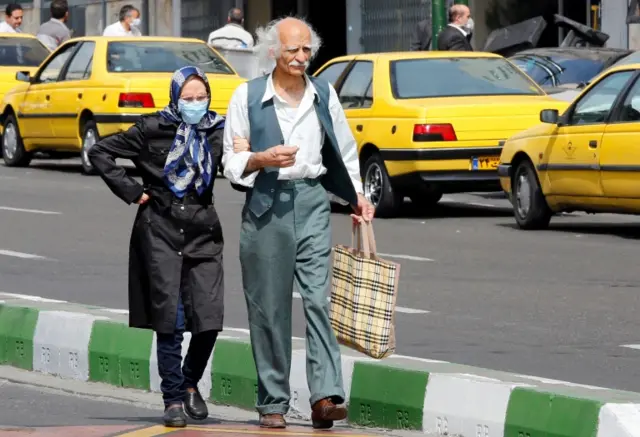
(266, 133)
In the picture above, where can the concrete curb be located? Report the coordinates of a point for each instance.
(422, 395)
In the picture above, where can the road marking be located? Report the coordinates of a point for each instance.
(401, 256)
(484, 205)
(21, 254)
(32, 298)
(423, 360)
(399, 309)
(32, 211)
(116, 311)
(631, 346)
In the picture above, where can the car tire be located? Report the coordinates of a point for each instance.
(13, 151)
(378, 189)
(529, 205)
(89, 138)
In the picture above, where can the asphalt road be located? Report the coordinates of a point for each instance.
(474, 290)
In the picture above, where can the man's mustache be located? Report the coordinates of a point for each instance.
(295, 63)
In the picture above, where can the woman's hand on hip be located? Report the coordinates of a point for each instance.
(143, 199)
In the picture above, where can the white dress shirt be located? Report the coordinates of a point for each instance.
(117, 29)
(7, 28)
(231, 36)
(300, 127)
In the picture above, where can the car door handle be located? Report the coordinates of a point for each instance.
(80, 95)
(593, 144)
(359, 128)
(47, 97)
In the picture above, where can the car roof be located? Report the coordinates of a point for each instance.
(593, 53)
(16, 35)
(136, 39)
(398, 56)
(635, 66)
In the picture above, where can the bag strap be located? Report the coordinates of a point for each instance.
(357, 240)
(371, 237)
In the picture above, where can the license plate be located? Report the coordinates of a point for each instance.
(484, 163)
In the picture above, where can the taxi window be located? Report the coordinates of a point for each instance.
(449, 77)
(23, 52)
(162, 57)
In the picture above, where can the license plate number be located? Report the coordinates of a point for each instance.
(484, 163)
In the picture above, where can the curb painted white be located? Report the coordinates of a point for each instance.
(61, 344)
(619, 420)
(467, 405)
(300, 395)
(154, 378)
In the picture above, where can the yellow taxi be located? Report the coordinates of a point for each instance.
(429, 123)
(586, 158)
(19, 52)
(92, 87)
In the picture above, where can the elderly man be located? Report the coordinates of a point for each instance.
(456, 35)
(301, 147)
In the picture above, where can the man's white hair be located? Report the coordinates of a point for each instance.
(269, 46)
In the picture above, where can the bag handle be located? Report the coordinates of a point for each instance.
(368, 240)
(357, 240)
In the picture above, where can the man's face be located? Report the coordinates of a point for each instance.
(15, 20)
(295, 41)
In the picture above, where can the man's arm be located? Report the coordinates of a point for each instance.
(346, 141)
(239, 168)
(458, 43)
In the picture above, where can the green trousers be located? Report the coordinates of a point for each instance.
(290, 243)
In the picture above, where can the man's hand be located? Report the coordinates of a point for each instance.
(363, 211)
(240, 145)
(143, 199)
(279, 156)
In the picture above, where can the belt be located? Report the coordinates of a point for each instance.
(291, 183)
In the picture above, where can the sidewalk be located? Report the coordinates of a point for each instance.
(400, 393)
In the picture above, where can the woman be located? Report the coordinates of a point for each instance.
(175, 255)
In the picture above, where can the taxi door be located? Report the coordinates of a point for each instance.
(620, 149)
(356, 97)
(36, 114)
(573, 163)
(72, 93)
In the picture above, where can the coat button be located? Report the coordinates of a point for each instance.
(182, 231)
(182, 208)
(179, 253)
(273, 191)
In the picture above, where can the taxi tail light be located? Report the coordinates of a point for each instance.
(136, 100)
(434, 132)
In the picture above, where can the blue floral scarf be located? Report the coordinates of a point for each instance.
(189, 162)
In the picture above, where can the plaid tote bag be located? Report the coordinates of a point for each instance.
(363, 298)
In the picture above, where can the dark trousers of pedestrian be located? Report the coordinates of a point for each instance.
(176, 376)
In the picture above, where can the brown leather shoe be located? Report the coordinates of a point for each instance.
(272, 421)
(324, 412)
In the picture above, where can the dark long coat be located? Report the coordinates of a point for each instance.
(176, 244)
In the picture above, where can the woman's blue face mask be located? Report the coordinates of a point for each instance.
(192, 111)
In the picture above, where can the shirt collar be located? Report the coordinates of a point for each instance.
(270, 91)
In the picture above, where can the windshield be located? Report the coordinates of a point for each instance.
(162, 57)
(23, 52)
(447, 77)
(558, 70)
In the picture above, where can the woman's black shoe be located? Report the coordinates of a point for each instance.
(194, 405)
(174, 416)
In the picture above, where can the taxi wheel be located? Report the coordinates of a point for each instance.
(89, 138)
(378, 189)
(529, 205)
(13, 151)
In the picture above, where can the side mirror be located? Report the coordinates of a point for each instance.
(23, 76)
(550, 116)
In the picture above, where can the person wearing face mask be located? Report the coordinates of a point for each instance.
(456, 36)
(128, 25)
(176, 279)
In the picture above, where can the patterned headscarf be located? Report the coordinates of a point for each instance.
(189, 160)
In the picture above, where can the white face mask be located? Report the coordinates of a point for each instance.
(136, 22)
(469, 26)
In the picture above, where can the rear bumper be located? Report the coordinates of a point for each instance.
(448, 181)
(505, 172)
